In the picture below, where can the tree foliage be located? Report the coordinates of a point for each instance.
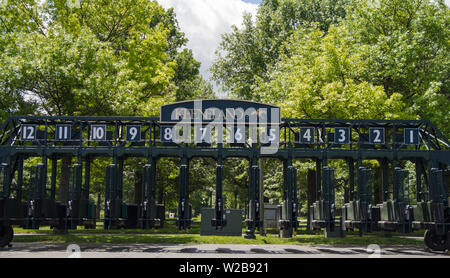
(248, 53)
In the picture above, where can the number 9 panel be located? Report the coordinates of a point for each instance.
(133, 133)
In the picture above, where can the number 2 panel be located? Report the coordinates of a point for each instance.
(376, 135)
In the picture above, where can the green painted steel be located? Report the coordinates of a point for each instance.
(119, 138)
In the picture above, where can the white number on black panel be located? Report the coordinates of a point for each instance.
(376, 135)
(133, 133)
(411, 136)
(307, 135)
(98, 132)
(28, 132)
(166, 134)
(63, 132)
(342, 135)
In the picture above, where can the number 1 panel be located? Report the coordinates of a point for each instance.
(411, 136)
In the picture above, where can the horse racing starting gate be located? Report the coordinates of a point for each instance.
(221, 129)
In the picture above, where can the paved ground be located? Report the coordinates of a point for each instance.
(102, 250)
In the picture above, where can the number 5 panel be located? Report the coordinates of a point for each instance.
(376, 135)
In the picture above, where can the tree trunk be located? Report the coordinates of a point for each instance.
(99, 204)
(138, 187)
(312, 189)
(377, 186)
(64, 181)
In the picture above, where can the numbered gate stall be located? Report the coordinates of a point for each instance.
(221, 129)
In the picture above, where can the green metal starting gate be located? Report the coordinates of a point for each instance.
(221, 129)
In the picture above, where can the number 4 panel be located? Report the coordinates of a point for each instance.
(307, 135)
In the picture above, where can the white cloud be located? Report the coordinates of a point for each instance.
(203, 22)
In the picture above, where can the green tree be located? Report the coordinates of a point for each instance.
(406, 47)
(318, 76)
(247, 54)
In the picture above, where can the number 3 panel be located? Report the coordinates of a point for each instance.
(376, 135)
(133, 133)
(342, 135)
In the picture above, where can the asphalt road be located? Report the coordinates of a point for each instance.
(109, 250)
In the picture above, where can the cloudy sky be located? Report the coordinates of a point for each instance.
(203, 22)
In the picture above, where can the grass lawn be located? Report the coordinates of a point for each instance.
(171, 235)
